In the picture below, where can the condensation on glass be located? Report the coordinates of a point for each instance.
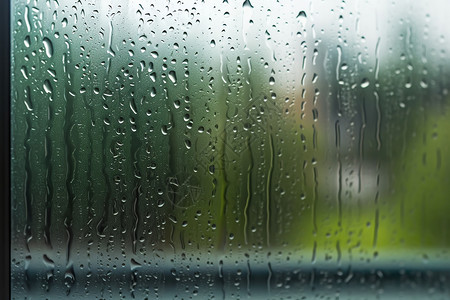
(230, 149)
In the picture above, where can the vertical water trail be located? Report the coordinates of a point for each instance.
(338, 65)
(90, 179)
(249, 274)
(250, 153)
(172, 159)
(268, 187)
(70, 169)
(222, 167)
(314, 200)
(102, 224)
(172, 148)
(27, 18)
(136, 144)
(314, 139)
(339, 172)
(377, 209)
(135, 210)
(378, 131)
(314, 253)
(269, 277)
(403, 154)
(339, 253)
(361, 142)
(249, 190)
(378, 139)
(377, 59)
(338, 80)
(222, 281)
(28, 101)
(223, 186)
(28, 196)
(48, 179)
(69, 150)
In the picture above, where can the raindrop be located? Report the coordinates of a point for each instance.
(423, 84)
(154, 54)
(153, 92)
(302, 17)
(27, 41)
(164, 130)
(247, 4)
(48, 87)
(48, 262)
(365, 83)
(52, 73)
(173, 77)
(24, 72)
(48, 47)
(134, 264)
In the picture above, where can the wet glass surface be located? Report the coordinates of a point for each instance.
(228, 149)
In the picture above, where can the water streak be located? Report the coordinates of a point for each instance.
(268, 187)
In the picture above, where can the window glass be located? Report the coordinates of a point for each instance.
(230, 149)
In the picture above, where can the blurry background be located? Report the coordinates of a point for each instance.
(190, 136)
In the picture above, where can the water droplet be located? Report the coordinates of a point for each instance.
(213, 43)
(164, 130)
(48, 47)
(134, 264)
(52, 73)
(302, 17)
(48, 87)
(153, 92)
(107, 93)
(27, 41)
(154, 54)
(173, 77)
(365, 83)
(247, 4)
(423, 84)
(24, 72)
(48, 262)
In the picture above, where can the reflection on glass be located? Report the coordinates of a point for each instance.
(235, 149)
